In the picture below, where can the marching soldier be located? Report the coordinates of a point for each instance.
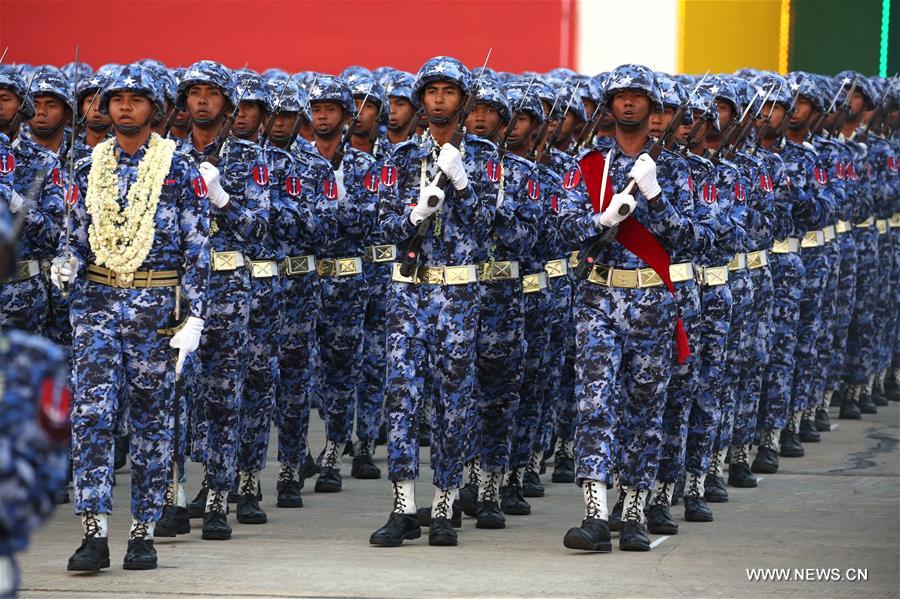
(130, 248)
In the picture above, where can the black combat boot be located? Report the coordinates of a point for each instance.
(93, 554)
(248, 510)
(633, 536)
(141, 554)
(363, 466)
(594, 533)
(850, 404)
(512, 501)
(766, 461)
(695, 506)
(440, 531)
(790, 437)
(658, 515)
(563, 464)
(288, 488)
(402, 524)
(215, 520)
(739, 474)
(487, 508)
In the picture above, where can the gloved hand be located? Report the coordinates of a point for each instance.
(339, 178)
(186, 340)
(16, 202)
(611, 216)
(422, 209)
(63, 271)
(218, 197)
(450, 161)
(644, 174)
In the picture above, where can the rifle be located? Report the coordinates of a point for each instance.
(589, 130)
(213, 153)
(782, 126)
(816, 127)
(542, 132)
(843, 113)
(501, 147)
(739, 127)
(878, 116)
(63, 154)
(764, 127)
(270, 120)
(338, 157)
(4, 54)
(410, 258)
(298, 124)
(587, 257)
(553, 136)
(64, 292)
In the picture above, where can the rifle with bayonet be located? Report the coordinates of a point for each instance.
(554, 136)
(213, 153)
(542, 132)
(738, 129)
(270, 120)
(70, 195)
(878, 115)
(587, 257)
(410, 258)
(338, 157)
(782, 126)
(843, 113)
(765, 126)
(816, 128)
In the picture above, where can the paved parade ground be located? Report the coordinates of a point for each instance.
(837, 508)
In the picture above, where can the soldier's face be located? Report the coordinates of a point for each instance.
(484, 120)
(402, 112)
(94, 118)
(9, 105)
(630, 106)
(205, 103)
(589, 106)
(327, 118)
(683, 129)
(725, 113)
(128, 109)
(249, 118)
(802, 113)
(523, 130)
(775, 112)
(49, 111)
(857, 103)
(283, 124)
(367, 117)
(441, 99)
(660, 120)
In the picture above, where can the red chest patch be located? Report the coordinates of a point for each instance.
(261, 174)
(330, 188)
(571, 179)
(892, 164)
(494, 170)
(57, 177)
(765, 182)
(7, 164)
(56, 405)
(839, 171)
(388, 176)
(850, 171)
(292, 186)
(739, 194)
(371, 182)
(199, 185)
(710, 193)
(820, 175)
(554, 203)
(534, 189)
(72, 195)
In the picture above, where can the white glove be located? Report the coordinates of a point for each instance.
(450, 161)
(63, 271)
(186, 340)
(644, 174)
(611, 216)
(16, 202)
(339, 179)
(218, 197)
(422, 209)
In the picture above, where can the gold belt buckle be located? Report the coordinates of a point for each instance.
(399, 278)
(600, 275)
(224, 260)
(554, 268)
(346, 267)
(22, 271)
(431, 275)
(124, 280)
(384, 253)
(881, 225)
(626, 279)
(647, 277)
(717, 275)
(531, 284)
(262, 269)
(501, 270)
(298, 266)
(456, 275)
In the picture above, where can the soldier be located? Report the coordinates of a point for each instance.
(119, 304)
(344, 288)
(306, 219)
(433, 313)
(53, 106)
(625, 319)
(97, 125)
(402, 116)
(24, 294)
(238, 190)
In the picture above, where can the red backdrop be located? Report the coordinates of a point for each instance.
(322, 35)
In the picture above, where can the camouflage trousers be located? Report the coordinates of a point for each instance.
(261, 383)
(534, 398)
(825, 337)
(709, 345)
(815, 264)
(885, 308)
(682, 389)
(749, 389)
(843, 313)
(895, 286)
(624, 341)
(778, 379)
(299, 359)
(432, 338)
(117, 346)
(24, 305)
(862, 334)
(370, 394)
(737, 350)
(224, 356)
(501, 353)
(340, 332)
(560, 408)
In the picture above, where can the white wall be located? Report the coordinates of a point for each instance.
(614, 32)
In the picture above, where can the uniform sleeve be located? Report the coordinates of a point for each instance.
(45, 217)
(517, 218)
(475, 204)
(247, 211)
(576, 214)
(759, 221)
(672, 216)
(193, 223)
(79, 247)
(393, 211)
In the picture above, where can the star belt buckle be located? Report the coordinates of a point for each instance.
(124, 280)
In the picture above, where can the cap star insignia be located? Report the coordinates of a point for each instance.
(44, 85)
(440, 68)
(714, 90)
(794, 85)
(129, 81)
(846, 81)
(626, 80)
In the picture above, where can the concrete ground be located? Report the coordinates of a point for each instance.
(837, 508)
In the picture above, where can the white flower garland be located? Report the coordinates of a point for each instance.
(121, 238)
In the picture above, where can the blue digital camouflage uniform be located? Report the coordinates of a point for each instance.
(33, 460)
(118, 328)
(625, 337)
(432, 326)
(224, 347)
